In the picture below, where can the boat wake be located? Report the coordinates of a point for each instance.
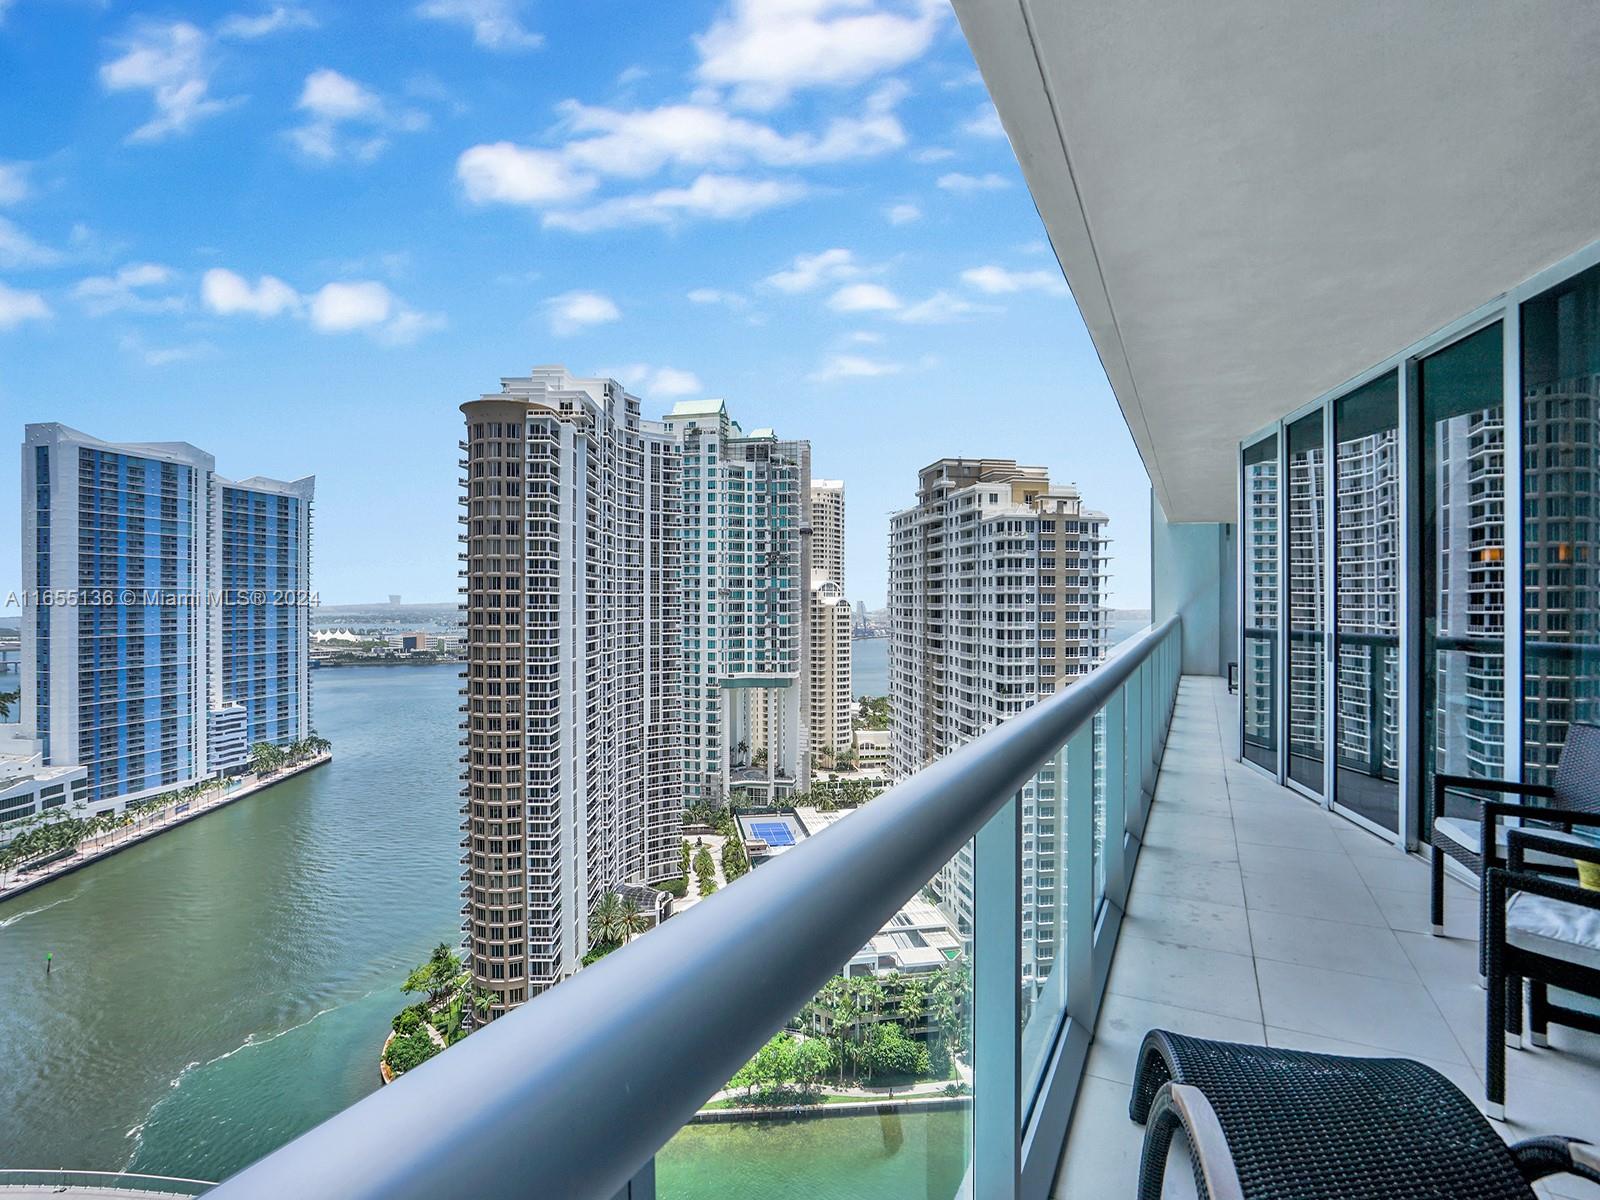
(7, 922)
(254, 1041)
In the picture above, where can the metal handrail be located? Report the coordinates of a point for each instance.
(574, 1092)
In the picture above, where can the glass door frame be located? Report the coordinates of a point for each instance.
(1506, 309)
(1241, 584)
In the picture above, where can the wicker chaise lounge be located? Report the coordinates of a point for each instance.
(1268, 1124)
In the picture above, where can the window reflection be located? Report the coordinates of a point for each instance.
(1306, 588)
(1367, 559)
(1560, 381)
(1463, 559)
(1260, 648)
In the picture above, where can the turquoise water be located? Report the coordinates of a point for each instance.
(919, 1156)
(869, 667)
(227, 985)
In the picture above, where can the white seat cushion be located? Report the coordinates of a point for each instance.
(1554, 928)
(1465, 832)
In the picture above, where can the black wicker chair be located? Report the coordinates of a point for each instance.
(1266, 1124)
(1572, 799)
(1542, 930)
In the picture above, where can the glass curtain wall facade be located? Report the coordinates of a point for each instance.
(1258, 696)
(1408, 555)
(1366, 432)
(1306, 590)
(1561, 646)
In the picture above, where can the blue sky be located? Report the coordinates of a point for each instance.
(301, 236)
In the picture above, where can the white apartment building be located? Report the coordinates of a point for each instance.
(996, 598)
(745, 570)
(572, 771)
(828, 650)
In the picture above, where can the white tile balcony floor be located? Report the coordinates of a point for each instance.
(1255, 916)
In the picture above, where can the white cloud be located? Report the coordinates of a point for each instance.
(939, 309)
(998, 281)
(765, 50)
(495, 24)
(171, 62)
(165, 356)
(639, 142)
(864, 297)
(226, 293)
(408, 325)
(963, 184)
(854, 366)
(933, 154)
(865, 337)
(505, 173)
(333, 101)
(669, 381)
(712, 197)
(705, 295)
(17, 249)
(811, 271)
(14, 185)
(335, 97)
(573, 312)
(341, 307)
(985, 122)
(280, 18)
(902, 214)
(129, 290)
(17, 307)
(665, 382)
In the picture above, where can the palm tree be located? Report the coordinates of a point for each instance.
(315, 743)
(606, 922)
(7, 699)
(633, 920)
(483, 1000)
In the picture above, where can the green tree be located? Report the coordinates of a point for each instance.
(813, 1060)
(7, 699)
(605, 922)
(265, 758)
(889, 1052)
(408, 1051)
(632, 921)
(435, 977)
(775, 1062)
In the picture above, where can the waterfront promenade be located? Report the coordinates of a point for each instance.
(95, 848)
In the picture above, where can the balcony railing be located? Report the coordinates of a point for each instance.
(573, 1093)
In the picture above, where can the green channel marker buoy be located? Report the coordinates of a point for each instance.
(48, 955)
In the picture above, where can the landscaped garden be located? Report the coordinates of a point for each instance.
(892, 1031)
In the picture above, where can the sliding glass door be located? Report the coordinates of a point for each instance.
(1258, 668)
(1460, 502)
(1560, 527)
(1305, 598)
(1367, 602)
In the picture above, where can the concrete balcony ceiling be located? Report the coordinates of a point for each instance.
(1255, 202)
